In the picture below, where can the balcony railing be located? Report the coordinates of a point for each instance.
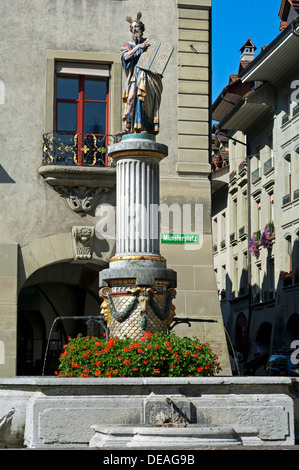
(286, 199)
(290, 278)
(232, 176)
(243, 232)
(256, 174)
(256, 298)
(268, 165)
(242, 168)
(284, 119)
(268, 295)
(296, 110)
(76, 150)
(233, 239)
(243, 291)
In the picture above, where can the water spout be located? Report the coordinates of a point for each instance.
(170, 403)
(177, 416)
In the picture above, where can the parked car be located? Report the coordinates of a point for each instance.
(281, 364)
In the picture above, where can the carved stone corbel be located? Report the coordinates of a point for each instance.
(81, 186)
(81, 199)
(83, 241)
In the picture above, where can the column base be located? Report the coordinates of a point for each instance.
(137, 296)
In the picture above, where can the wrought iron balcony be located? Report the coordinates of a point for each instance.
(76, 150)
(78, 168)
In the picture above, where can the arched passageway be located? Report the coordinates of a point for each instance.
(61, 290)
(292, 330)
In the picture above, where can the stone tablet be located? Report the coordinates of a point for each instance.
(156, 57)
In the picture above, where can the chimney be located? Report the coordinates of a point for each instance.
(247, 51)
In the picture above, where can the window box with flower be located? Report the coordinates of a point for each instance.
(286, 277)
(267, 236)
(289, 278)
(254, 244)
(264, 239)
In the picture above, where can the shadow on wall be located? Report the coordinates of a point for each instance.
(4, 176)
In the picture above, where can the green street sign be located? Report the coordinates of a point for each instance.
(180, 238)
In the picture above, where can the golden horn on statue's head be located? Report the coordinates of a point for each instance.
(139, 15)
(129, 19)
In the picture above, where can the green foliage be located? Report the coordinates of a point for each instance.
(154, 355)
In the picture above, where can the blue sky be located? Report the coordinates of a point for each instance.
(233, 22)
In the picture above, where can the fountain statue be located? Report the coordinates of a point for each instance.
(144, 61)
(137, 289)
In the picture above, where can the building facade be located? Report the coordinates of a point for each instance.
(61, 92)
(255, 199)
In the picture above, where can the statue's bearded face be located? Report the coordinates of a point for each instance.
(137, 31)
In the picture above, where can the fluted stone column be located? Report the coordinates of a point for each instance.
(138, 200)
(137, 285)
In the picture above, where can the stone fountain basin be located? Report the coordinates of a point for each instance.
(169, 435)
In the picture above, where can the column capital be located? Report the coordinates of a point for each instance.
(138, 146)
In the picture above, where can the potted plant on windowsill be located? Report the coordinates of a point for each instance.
(222, 244)
(223, 294)
(287, 278)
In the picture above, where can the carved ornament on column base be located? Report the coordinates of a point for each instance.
(131, 312)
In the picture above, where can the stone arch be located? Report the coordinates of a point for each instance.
(54, 249)
(55, 291)
(263, 339)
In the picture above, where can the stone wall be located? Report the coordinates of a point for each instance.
(56, 412)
